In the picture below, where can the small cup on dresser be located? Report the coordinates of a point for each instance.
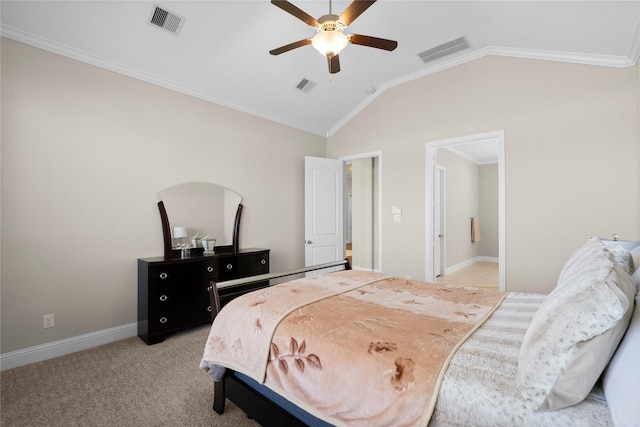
(209, 245)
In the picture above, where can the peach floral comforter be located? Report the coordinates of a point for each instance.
(351, 348)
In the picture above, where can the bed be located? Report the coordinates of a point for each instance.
(362, 349)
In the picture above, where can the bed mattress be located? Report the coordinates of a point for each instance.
(479, 386)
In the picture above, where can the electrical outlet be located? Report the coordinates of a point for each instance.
(47, 321)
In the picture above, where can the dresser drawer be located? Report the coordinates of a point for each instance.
(188, 271)
(254, 264)
(170, 295)
(164, 318)
(243, 266)
(174, 274)
(178, 306)
(173, 294)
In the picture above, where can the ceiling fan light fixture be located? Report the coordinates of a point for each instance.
(330, 43)
(330, 39)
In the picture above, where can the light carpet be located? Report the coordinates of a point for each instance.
(125, 383)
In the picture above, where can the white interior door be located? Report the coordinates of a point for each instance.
(438, 221)
(324, 211)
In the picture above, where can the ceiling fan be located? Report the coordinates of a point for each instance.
(330, 39)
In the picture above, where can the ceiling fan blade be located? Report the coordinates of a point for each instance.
(334, 64)
(290, 46)
(354, 10)
(376, 42)
(295, 11)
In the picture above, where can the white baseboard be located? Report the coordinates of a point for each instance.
(355, 268)
(467, 263)
(70, 345)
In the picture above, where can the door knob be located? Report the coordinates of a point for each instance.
(308, 242)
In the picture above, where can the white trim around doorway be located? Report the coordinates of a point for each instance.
(431, 148)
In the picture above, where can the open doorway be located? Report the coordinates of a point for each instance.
(363, 236)
(436, 239)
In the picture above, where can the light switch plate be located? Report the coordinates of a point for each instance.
(396, 210)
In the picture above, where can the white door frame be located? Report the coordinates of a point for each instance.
(377, 244)
(429, 180)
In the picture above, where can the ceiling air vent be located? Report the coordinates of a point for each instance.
(306, 85)
(166, 20)
(445, 49)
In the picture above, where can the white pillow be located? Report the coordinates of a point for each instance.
(621, 379)
(635, 258)
(576, 330)
(581, 263)
(621, 256)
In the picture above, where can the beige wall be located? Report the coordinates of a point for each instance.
(462, 194)
(489, 211)
(84, 153)
(571, 156)
(471, 190)
(85, 150)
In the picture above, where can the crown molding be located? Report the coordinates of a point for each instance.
(86, 57)
(567, 57)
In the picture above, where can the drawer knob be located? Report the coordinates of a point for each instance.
(210, 269)
(163, 320)
(209, 288)
(163, 275)
(263, 261)
(229, 266)
(209, 309)
(163, 298)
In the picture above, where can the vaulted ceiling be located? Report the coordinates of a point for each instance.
(221, 52)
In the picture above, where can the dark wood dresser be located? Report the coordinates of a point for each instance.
(173, 294)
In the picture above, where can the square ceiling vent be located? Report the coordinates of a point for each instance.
(306, 85)
(166, 20)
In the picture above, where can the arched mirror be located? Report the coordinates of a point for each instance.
(202, 208)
